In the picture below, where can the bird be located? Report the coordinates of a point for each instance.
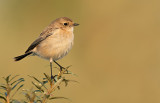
(53, 43)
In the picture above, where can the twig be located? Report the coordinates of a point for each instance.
(46, 96)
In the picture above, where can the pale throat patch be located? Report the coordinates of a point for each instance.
(71, 29)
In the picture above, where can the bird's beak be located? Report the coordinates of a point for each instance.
(75, 24)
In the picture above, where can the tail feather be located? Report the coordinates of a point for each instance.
(22, 56)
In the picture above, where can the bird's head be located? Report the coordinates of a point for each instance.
(64, 23)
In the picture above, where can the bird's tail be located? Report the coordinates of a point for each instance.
(22, 56)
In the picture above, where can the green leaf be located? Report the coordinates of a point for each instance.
(66, 81)
(58, 87)
(3, 87)
(17, 90)
(27, 96)
(5, 94)
(1, 97)
(7, 79)
(48, 78)
(13, 77)
(38, 87)
(38, 80)
(69, 72)
(44, 82)
(20, 87)
(59, 98)
(21, 80)
(37, 91)
(46, 96)
(35, 79)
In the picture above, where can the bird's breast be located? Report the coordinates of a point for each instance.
(55, 47)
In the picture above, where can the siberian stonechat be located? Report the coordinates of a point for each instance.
(54, 42)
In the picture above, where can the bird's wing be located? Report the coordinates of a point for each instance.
(42, 37)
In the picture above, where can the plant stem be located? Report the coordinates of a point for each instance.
(7, 99)
(51, 90)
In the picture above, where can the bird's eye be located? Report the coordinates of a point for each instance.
(65, 24)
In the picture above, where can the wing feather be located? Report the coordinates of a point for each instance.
(42, 37)
(34, 44)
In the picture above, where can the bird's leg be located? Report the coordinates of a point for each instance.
(59, 66)
(51, 68)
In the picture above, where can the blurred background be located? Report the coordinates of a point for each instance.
(116, 52)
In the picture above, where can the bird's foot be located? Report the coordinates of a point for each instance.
(53, 78)
(62, 68)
